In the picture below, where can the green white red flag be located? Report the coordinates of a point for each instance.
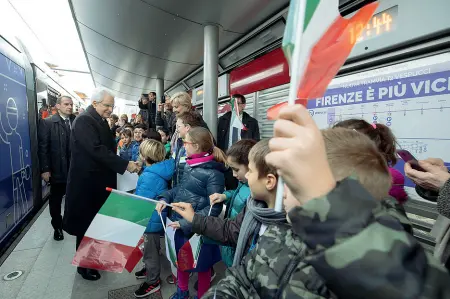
(323, 40)
(114, 233)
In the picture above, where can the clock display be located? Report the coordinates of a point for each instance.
(381, 23)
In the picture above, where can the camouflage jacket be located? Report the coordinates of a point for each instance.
(275, 268)
(362, 251)
(395, 209)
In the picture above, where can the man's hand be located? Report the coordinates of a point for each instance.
(434, 176)
(298, 153)
(133, 167)
(46, 176)
(160, 206)
(216, 198)
(160, 107)
(185, 210)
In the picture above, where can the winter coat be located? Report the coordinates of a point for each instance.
(276, 268)
(179, 155)
(441, 229)
(153, 181)
(54, 147)
(148, 112)
(363, 252)
(223, 129)
(130, 152)
(397, 190)
(197, 184)
(167, 120)
(235, 202)
(94, 165)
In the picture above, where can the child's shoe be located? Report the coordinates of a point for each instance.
(180, 294)
(146, 289)
(141, 274)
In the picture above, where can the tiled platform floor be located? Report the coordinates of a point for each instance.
(48, 272)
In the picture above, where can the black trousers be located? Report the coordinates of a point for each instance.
(57, 191)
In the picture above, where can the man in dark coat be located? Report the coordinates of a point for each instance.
(148, 108)
(94, 166)
(251, 130)
(54, 157)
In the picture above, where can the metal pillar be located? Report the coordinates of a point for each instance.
(210, 77)
(159, 90)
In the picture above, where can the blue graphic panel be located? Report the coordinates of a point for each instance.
(15, 159)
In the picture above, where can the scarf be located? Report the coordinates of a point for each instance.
(198, 159)
(256, 214)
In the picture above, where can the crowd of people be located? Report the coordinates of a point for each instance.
(343, 232)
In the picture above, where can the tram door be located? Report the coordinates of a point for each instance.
(16, 199)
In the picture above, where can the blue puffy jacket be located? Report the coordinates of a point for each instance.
(152, 182)
(197, 184)
(130, 152)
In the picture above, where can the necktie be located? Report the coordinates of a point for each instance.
(67, 123)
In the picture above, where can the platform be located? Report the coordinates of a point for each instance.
(48, 273)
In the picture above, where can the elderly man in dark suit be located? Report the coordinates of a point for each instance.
(94, 166)
(54, 157)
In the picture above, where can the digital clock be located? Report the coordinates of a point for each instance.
(381, 23)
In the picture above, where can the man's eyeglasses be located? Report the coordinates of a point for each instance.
(108, 106)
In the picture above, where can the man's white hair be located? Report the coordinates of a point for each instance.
(99, 94)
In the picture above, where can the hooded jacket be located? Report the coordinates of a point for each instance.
(153, 181)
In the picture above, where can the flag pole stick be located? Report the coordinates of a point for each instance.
(137, 196)
(296, 69)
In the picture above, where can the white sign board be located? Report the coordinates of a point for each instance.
(412, 98)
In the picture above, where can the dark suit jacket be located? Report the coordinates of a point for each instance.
(54, 150)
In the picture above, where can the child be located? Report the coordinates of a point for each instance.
(152, 182)
(360, 250)
(271, 268)
(165, 139)
(138, 133)
(130, 148)
(202, 177)
(237, 158)
(118, 131)
(185, 122)
(386, 143)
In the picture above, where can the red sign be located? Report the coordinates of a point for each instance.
(262, 73)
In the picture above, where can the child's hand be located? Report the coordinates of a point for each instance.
(298, 153)
(160, 206)
(175, 225)
(216, 198)
(185, 210)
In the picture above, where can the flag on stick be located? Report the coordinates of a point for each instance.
(170, 241)
(189, 253)
(323, 40)
(115, 232)
(316, 43)
(236, 124)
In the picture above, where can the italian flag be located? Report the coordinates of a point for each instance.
(316, 43)
(236, 124)
(115, 232)
(189, 253)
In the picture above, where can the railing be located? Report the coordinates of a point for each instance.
(422, 214)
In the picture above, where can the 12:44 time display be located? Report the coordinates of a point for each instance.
(380, 23)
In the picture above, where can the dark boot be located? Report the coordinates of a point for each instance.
(88, 274)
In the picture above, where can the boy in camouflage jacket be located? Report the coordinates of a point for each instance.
(357, 247)
(281, 247)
